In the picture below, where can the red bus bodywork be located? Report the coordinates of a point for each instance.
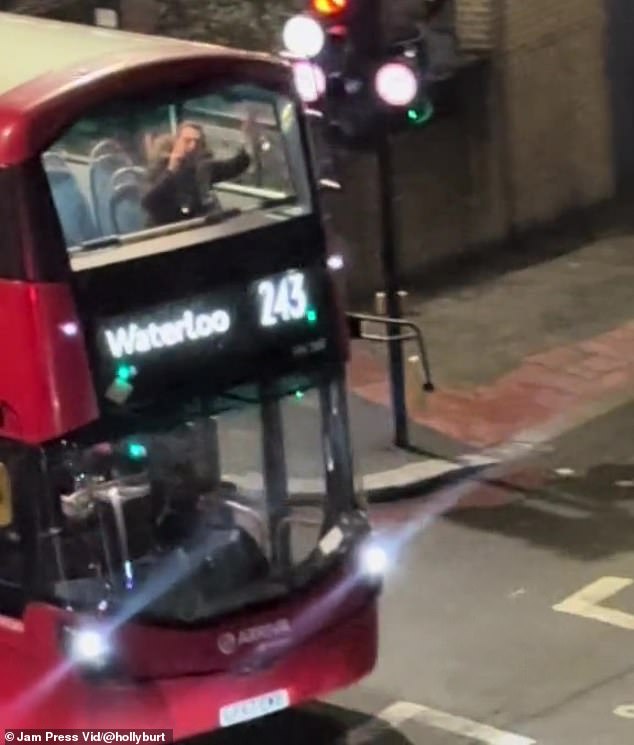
(173, 679)
(40, 690)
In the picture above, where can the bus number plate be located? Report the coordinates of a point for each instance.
(253, 708)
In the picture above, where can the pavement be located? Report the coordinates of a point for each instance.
(518, 355)
(508, 616)
(382, 470)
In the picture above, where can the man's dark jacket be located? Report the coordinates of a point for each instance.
(183, 194)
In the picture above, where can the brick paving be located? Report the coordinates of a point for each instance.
(521, 347)
(543, 387)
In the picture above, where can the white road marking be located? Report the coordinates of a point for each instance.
(587, 602)
(626, 711)
(402, 711)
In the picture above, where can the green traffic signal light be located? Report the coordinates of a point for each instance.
(136, 450)
(419, 115)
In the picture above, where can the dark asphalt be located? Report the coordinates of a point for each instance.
(468, 624)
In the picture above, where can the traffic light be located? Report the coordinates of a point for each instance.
(420, 112)
(362, 80)
(329, 8)
(321, 25)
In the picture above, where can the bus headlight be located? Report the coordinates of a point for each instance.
(374, 560)
(88, 647)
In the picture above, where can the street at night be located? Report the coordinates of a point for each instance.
(317, 386)
(484, 636)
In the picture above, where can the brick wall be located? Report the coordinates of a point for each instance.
(530, 142)
(139, 15)
(557, 106)
(475, 25)
(448, 198)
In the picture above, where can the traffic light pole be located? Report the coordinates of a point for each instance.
(389, 263)
(389, 240)
(364, 29)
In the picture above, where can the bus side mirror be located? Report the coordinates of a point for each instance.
(324, 158)
(326, 184)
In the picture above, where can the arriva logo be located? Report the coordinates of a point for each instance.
(228, 643)
(134, 339)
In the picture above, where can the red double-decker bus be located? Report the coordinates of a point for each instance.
(181, 542)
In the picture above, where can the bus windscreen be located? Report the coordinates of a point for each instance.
(140, 168)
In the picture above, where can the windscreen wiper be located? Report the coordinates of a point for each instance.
(278, 201)
(220, 216)
(102, 242)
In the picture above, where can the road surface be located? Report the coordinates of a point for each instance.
(510, 622)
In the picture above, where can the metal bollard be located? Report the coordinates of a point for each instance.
(380, 309)
(380, 302)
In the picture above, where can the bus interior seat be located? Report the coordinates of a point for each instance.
(129, 175)
(54, 160)
(127, 213)
(102, 170)
(71, 205)
(105, 147)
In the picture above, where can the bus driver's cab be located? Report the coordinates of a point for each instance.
(181, 539)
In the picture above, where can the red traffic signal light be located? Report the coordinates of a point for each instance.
(329, 8)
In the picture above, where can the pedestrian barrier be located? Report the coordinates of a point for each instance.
(418, 379)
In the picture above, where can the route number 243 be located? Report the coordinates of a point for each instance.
(282, 299)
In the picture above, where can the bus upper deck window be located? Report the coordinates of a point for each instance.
(138, 169)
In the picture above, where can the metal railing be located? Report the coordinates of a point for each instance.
(355, 323)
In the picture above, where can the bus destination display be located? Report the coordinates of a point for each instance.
(282, 314)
